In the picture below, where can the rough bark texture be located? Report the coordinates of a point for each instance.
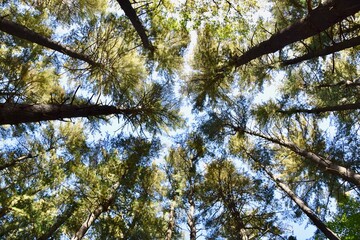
(325, 164)
(302, 205)
(23, 32)
(318, 20)
(337, 108)
(92, 217)
(25, 113)
(325, 51)
(135, 21)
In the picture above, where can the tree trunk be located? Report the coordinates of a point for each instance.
(327, 165)
(325, 51)
(23, 32)
(318, 20)
(25, 113)
(92, 217)
(171, 224)
(337, 108)
(59, 222)
(191, 219)
(302, 205)
(140, 29)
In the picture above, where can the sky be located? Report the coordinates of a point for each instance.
(303, 230)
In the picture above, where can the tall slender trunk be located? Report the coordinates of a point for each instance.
(325, 51)
(337, 108)
(140, 29)
(302, 205)
(92, 217)
(327, 165)
(25, 113)
(59, 222)
(171, 223)
(318, 20)
(191, 216)
(23, 32)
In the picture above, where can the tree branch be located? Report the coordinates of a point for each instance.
(140, 29)
(318, 20)
(336, 47)
(23, 32)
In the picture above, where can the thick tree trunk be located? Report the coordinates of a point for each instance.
(337, 108)
(302, 205)
(25, 113)
(92, 217)
(23, 32)
(135, 21)
(59, 222)
(325, 51)
(325, 164)
(318, 20)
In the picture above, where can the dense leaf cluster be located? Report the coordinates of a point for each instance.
(179, 119)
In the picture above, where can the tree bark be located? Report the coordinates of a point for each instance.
(191, 216)
(302, 205)
(327, 165)
(59, 222)
(92, 217)
(318, 20)
(336, 47)
(135, 21)
(337, 108)
(171, 223)
(23, 32)
(25, 113)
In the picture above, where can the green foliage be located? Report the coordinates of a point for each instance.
(346, 221)
(150, 167)
(231, 199)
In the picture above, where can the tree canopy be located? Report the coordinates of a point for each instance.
(179, 119)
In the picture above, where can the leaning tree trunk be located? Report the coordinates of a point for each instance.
(337, 108)
(23, 32)
(327, 165)
(92, 217)
(140, 29)
(302, 205)
(318, 20)
(25, 113)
